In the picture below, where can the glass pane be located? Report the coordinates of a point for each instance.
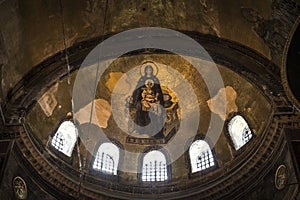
(154, 167)
(65, 138)
(107, 159)
(239, 131)
(201, 156)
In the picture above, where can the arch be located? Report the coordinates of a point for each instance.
(201, 156)
(239, 131)
(154, 167)
(65, 138)
(107, 158)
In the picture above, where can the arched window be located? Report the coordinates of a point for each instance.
(107, 158)
(65, 138)
(154, 167)
(201, 156)
(239, 131)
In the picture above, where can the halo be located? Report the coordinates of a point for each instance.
(149, 80)
(146, 63)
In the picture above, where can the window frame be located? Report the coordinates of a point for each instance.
(141, 162)
(115, 162)
(55, 152)
(199, 154)
(204, 172)
(228, 136)
(99, 173)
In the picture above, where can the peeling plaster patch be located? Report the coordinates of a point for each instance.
(230, 102)
(83, 115)
(103, 112)
(114, 77)
(100, 116)
(48, 101)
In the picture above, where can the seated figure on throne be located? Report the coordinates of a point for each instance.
(147, 100)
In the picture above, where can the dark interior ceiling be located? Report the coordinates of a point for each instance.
(252, 43)
(34, 31)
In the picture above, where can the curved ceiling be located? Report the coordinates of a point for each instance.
(245, 38)
(244, 97)
(35, 32)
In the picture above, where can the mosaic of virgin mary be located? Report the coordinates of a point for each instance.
(147, 100)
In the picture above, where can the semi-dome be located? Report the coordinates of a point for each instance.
(112, 153)
(149, 99)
